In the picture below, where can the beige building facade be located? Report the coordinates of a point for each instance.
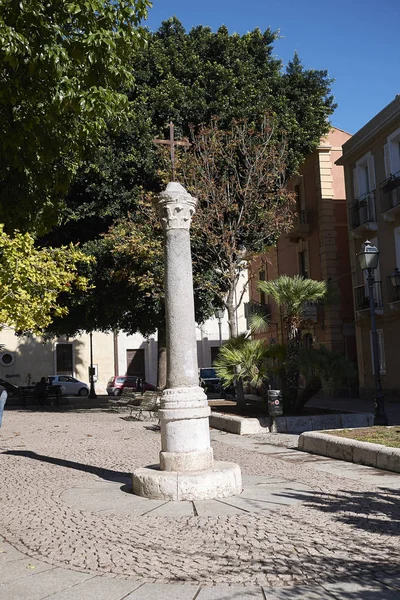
(28, 358)
(371, 159)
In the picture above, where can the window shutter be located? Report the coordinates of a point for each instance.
(386, 158)
(371, 172)
(355, 183)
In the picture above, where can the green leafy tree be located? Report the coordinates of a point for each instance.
(187, 77)
(63, 67)
(191, 77)
(292, 295)
(33, 281)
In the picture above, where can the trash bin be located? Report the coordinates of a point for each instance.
(275, 406)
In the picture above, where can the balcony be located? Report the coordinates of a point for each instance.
(390, 197)
(363, 214)
(301, 226)
(393, 293)
(361, 297)
(253, 308)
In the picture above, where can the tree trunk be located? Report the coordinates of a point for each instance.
(231, 309)
(233, 333)
(292, 369)
(162, 359)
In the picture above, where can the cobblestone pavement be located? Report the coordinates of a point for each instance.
(343, 526)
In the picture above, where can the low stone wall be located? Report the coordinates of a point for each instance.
(318, 422)
(362, 453)
(248, 426)
(239, 425)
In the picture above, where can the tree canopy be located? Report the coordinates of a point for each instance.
(63, 67)
(32, 280)
(187, 77)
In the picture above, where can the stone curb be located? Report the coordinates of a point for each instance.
(362, 453)
(251, 426)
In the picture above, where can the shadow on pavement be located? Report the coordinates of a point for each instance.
(107, 474)
(375, 511)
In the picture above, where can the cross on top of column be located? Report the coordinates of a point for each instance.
(172, 143)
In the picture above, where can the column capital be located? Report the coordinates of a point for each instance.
(176, 207)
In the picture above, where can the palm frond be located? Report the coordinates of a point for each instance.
(293, 293)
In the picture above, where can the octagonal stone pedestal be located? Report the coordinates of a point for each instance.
(222, 480)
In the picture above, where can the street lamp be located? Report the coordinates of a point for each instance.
(395, 278)
(219, 314)
(369, 258)
(92, 393)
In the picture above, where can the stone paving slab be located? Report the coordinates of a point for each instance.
(154, 591)
(298, 593)
(359, 590)
(226, 593)
(260, 493)
(354, 471)
(41, 585)
(23, 567)
(217, 508)
(98, 588)
(8, 553)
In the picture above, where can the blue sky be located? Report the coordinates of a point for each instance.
(356, 41)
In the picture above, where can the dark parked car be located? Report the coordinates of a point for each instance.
(115, 385)
(210, 382)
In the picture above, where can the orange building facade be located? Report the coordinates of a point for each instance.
(318, 248)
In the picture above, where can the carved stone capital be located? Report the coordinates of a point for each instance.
(176, 207)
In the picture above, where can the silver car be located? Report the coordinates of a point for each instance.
(69, 385)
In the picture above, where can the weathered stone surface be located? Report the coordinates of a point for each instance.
(239, 425)
(222, 480)
(364, 453)
(388, 458)
(187, 470)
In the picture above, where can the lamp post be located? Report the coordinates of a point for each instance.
(219, 314)
(92, 393)
(395, 280)
(369, 257)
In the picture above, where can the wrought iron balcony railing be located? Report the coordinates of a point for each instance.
(362, 210)
(361, 296)
(253, 308)
(390, 193)
(301, 226)
(392, 290)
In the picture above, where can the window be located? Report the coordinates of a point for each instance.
(303, 264)
(381, 352)
(397, 246)
(64, 358)
(261, 277)
(364, 176)
(7, 359)
(392, 153)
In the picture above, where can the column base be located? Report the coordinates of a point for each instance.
(187, 461)
(222, 480)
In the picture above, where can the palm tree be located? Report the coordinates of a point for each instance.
(242, 359)
(293, 294)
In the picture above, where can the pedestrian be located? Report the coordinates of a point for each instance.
(3, 400)
(41, 390)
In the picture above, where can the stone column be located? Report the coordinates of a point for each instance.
(185, 437)
(187, 470)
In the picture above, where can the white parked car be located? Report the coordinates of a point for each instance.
(69, 385)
